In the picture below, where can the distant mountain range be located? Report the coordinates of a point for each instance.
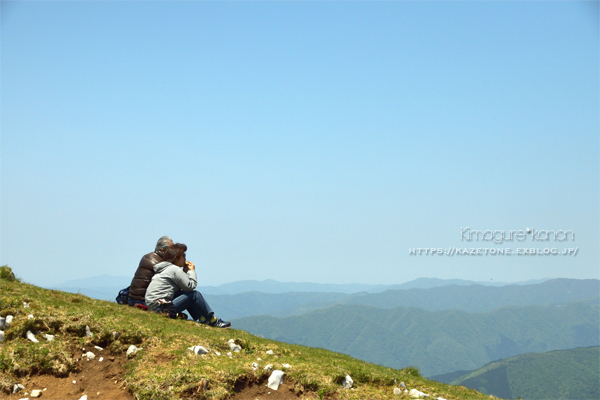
(472, 298)
(560, 374)
(441, 326)
(106, 287)
(436, 342)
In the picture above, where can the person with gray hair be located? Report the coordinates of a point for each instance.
(162, 244)
(145, 272)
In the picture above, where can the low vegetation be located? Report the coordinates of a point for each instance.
(559, 374)
(165, 369)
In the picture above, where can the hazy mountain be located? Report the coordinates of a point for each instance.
(275, 304)
(272, 286)
(472, 298)
(107, 286)
(560, 374)
(426, 283)
(436, 342)
(478, 298)
(103, 287)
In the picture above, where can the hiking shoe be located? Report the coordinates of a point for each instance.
(219, 323)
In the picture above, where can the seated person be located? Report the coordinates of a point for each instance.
(172, 289)
(145, 271)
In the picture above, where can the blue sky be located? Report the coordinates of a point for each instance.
(298, 141)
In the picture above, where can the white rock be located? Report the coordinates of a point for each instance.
(275, 379)
(2, 322)
(84, 397)
(259, 359)
(31, 337)
(30, 316)
(49, 337)
(101, 358)
(88, 333)
(89, 355)
(441, 398)
(270, 352)
(83, 349)
(1, 336)
(254, 366)
(347, 382)
(74, 382)
(217, 353)
(36, 393)
(116, 335)
(268, 368)
(9, 319)
(416, 394)
(98, 348)
(132, 350)
(198, 350)
(25, 305)
(234, 347)
(403, 385)
(397, 391)
(229, 355)
(18, 387)
(286, 365)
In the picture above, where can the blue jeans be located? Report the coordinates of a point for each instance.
(194, 303)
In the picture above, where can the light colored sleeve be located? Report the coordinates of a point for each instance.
(186, 282)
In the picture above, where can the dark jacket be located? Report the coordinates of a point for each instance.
(143, 276)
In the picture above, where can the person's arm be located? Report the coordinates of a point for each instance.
(185, 281)
(188, 265)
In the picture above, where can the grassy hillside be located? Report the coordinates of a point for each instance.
(165, 369)
(561, 374)
(436, 342)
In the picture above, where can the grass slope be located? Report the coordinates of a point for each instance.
(164, 369)
(436, 342)
(561, 374)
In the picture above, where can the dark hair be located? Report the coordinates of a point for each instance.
(172, 253)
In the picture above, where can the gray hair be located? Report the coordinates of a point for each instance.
(163, 242)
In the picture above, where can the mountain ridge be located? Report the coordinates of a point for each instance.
(434, 341)
(557, 374)
(273, 286)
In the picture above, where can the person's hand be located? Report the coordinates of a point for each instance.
(190, 266)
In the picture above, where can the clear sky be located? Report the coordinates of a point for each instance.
(298, 141)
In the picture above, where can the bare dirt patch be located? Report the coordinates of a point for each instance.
(94, 378)
(246, 389)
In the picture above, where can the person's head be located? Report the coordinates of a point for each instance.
(175, 254)
(162, 244)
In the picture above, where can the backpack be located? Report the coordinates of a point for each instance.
(123, 297)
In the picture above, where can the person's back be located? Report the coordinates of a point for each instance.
(145, 271)
(143, 276)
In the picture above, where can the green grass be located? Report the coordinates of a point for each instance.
(164, 369)
(559, 374)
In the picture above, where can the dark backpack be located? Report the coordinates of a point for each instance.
(123, 297)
